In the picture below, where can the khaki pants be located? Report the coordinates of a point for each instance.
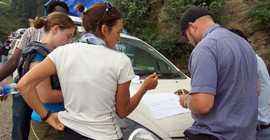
(44, 131)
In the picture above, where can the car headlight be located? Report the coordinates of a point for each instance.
(142, 134)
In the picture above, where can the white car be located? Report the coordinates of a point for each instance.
(18, 33)
(159, 115)
(14, 44)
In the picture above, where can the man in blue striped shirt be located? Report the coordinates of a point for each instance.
(224, 81)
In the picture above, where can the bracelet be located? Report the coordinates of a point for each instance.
(47, 116)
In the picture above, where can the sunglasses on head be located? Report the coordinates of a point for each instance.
(109, 6)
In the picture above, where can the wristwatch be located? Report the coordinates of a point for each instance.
(47, 116)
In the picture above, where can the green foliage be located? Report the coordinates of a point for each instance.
(261, 15)
(140, 17)
(24, 10)
(7, 24)
(16, 14)
(40, 8)
(174, 9)
(143, 19)
(215, 8)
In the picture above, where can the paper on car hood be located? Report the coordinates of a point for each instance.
(172, 126)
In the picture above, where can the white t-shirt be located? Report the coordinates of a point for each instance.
(89, 75)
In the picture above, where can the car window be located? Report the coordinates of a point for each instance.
(145, 60)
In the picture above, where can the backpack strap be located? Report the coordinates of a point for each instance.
(27, 55)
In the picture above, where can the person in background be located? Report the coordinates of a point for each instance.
(223, 98)
(31, 34)
(263, 123)
(59, 30)
(94, 91)
(21, 114)
(4, 52)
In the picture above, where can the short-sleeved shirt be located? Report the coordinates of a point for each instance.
(89, 75)
(224, 64)
(264, 98)
(31, 34)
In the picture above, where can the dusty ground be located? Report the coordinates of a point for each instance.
(5, 117)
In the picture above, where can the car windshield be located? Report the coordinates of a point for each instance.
(146, 60)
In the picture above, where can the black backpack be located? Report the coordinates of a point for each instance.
(27, 55)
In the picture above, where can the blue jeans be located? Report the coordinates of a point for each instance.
(21, 116)
(4, 59)
(263, 134)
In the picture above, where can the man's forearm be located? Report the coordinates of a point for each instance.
(10, 66)
(7, 69)
(200, 103)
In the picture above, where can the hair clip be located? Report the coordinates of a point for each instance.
(45, 22)
(84, 11)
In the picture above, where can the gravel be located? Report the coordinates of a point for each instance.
(6, 117)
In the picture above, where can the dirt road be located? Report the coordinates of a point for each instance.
(5, 117)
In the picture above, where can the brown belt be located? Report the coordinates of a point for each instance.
(260, 127)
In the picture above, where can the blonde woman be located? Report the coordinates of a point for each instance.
(59, 29)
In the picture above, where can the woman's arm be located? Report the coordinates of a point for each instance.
(124, 104)
(27, 87)
(45, 91)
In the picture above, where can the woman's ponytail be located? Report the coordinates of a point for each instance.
(38, 22)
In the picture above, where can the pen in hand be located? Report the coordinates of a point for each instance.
(180, 90)
(183, 92)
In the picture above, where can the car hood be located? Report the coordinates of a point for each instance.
(168, 127)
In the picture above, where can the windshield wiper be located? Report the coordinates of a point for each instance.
(172, 75)
(143, 74)
(163, 75)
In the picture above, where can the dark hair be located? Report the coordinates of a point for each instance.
(92, 17)
(51, 6)
(239, 32)
(56, 18)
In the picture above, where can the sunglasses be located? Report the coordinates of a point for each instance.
(109, 6)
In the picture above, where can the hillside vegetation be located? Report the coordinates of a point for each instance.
(157, 21)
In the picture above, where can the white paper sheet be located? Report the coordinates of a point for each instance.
(136, 79)
(163, 105)
(132, 91)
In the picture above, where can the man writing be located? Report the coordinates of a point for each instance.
(224, 80)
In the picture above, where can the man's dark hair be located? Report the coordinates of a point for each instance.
(239, 32)
(51, 6)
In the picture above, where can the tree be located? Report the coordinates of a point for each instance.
(16, 14)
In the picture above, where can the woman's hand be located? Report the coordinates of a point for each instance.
(150, 82)
(124, 104)
(54, 122)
